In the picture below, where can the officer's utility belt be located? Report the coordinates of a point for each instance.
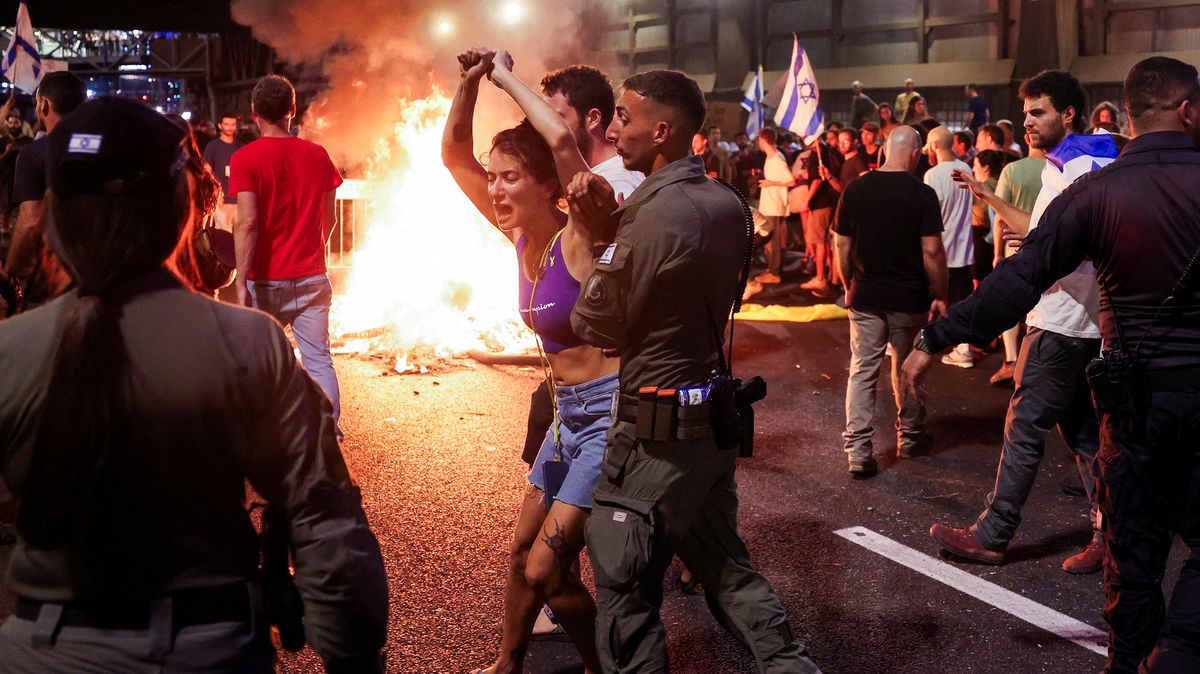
(201, 606)
(659, 415)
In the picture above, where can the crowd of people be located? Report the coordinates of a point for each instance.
(634, 225)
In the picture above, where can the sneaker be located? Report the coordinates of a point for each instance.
(863, 468)
(961, 543)
(814, 284)
(1004, 376)
(959, 359)
(767, 278)
(1090, 560)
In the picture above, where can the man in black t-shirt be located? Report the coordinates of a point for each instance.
(217, 155)
(700, 148)
(747, 165)
(889, 251)
(822, 165)
(58, 94)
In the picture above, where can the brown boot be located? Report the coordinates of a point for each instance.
(961, 543)
(1090, 560)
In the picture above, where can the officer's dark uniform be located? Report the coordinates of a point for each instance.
(162, 577)
(660, 294)
(1138, 220)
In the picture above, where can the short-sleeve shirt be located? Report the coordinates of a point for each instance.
(979, 113)
(852, 168)
(1020, 182)
(772, 201)
(217, 154)
(886, 213)
(956, 213)
(291, 178)
(825, 196)
(29, 183)
(623, 181)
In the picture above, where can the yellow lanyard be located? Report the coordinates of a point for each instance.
(547, 371)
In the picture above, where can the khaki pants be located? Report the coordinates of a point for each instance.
(658, 499)
(871, 334)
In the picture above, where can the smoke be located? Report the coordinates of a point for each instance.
(378, 54)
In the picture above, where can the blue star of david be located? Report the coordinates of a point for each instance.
(808, 90)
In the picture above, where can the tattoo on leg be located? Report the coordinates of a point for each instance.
(462, 132)
(557, 542)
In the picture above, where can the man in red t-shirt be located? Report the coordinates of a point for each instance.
(285, 191)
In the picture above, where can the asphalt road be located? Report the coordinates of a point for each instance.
(437, 456)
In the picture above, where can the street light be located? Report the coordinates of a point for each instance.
(512, 12)
(443, 27)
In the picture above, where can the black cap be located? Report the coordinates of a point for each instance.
(112, 145)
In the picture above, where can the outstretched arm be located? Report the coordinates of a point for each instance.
(458, 149)
(1016, 218)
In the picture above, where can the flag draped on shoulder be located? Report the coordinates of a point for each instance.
(752, 101)
(799, 108)
(22, 63)
(1076, 155)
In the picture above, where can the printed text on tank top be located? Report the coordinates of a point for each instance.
(551, 306)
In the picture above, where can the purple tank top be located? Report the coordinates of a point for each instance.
(556, 294)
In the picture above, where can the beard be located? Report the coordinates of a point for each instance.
(585, 141)
(1052, 136)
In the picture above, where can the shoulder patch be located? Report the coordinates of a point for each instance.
(607, 256)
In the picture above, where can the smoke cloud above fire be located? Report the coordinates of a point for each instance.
(377, 54)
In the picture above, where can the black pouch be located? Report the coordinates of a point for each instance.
(1119, 385)
(745, 397)
(726, 419)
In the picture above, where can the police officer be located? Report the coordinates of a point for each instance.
(1138, 220)
(660, 295)
(133, 412)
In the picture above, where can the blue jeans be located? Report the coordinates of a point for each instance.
(584, 417)
(303, 303)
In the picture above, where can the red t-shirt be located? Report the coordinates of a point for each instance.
(291, 178)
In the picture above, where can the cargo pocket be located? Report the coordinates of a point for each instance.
(620, 534)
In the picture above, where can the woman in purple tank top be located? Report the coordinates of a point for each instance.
(519, 192)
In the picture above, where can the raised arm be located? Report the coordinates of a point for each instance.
(458, 149)
(568, 160)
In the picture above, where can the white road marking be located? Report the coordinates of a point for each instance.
(1026, 609)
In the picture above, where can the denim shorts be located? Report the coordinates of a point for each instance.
(584, 417)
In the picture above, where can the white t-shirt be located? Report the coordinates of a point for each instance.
(956, 213)
(1071, 306)
(772, 201)
(623, 181)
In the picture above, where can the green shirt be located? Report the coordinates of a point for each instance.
(1020, 182)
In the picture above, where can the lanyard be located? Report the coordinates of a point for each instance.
(546, 369)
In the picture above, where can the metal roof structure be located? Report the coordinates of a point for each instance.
(201, 16)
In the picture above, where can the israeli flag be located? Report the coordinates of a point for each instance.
(1076, 155)
(800, 106)
(752, 101)
(22, 63)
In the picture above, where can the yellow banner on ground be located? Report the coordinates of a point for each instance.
(778, 312)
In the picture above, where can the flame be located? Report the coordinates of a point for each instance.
(431, 273)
